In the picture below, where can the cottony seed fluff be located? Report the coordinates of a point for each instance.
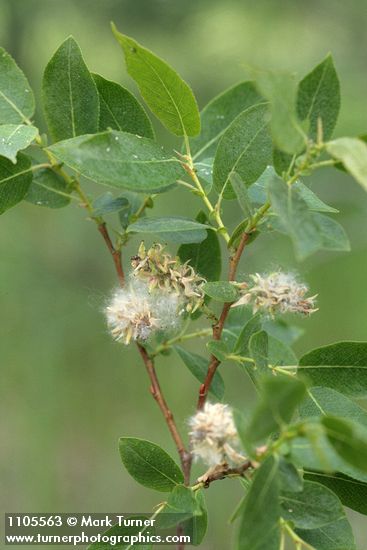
(160, 290)
(135, 314)
(213, 435)
(276, 292)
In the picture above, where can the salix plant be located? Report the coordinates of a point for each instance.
(301, 454)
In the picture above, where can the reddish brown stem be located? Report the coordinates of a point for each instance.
(116, 254)
(155, 388)
(156, 392)
(218, 327)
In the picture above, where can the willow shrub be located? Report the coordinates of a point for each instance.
(301, 453)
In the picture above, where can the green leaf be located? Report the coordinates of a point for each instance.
(312, 508)
(258, 192)
(268, 351)
(218, 114)
(120, 160)
(341, 366)
(14, 138)
(245, 148)
(70, 96)
(48, 189)
(352, 152)
(120, 110)
(280, 396)
(204, 171)
(313, 202)
(337, 535)
(107, 204)
(127, 213)
(280, 354)
(333, 235)
(125, 531)
(204, 257)
(237, 318)
(221, 291)
(15, 180)
(349, 440)
(238, 233)
(260, 526)
(149, 465)
(325, 401)
(241, 419)
(176, 230)
(281, 330)
(218, 348)
(352, 493)
(258, 346)
(290, 478)
(319, 97)
(237, 512)
(167, 95)
(196, 526)
(251, 327)
(313, 451)
(181, 505)
(280, 90)
(309, 231)
(242, 194)
(281, 161)
(295, 217)
(16, 96)
(198, 366)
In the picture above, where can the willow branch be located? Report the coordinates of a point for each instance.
(156, 392)
(155, 387)
(115, 253)
(219, 326)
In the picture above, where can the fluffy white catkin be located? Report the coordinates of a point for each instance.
(213, 435)
(277, 292)
(135, 313)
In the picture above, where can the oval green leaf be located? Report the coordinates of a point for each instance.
(176, 230)
(219, 113)
(14, 138)
(15, 180)
(311, 508)
(120, 160)
(120, 110)
(258, 529)
(48, 189)
(16, 96)
(318, 97)
(204, 257)
(149, 464)
(198, 366)
(70, 96)
(167, 95)
(352, 152)
(221, 291)
(280, 90)
(341, 366)
(245, 148)
(349, 440)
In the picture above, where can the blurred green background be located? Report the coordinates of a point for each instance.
(67, 391)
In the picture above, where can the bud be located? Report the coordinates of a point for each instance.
(276, 293)
(213, 435)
